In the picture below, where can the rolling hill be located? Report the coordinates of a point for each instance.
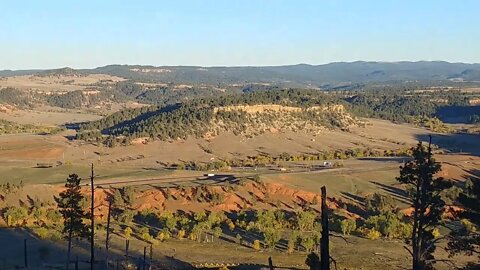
(290, 75)
(302, 74)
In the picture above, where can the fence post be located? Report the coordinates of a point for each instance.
(25, 253)
(144, 257)
(270, 263)
(127, 244)
(151, 253)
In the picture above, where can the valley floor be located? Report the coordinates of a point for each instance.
(43, 162)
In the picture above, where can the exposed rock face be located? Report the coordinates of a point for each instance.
(259, 119)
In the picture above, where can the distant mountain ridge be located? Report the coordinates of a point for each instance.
(293, 75)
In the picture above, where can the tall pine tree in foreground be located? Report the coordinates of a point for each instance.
(424, 192)
(69, 203)
(466, 239)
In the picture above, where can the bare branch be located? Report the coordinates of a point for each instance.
(340, 236)
(433, 243)
(447, 262)
(334, 262)
(409, 251)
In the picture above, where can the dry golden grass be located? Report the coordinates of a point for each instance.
(56, 83)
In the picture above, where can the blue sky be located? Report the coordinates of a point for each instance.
(85, 34)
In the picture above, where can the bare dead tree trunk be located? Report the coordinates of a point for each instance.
(92, 217)
(324, 241)
(107, 238)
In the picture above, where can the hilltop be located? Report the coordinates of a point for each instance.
(247, 114)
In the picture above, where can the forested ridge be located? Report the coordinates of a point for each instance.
(192, 117)
(195, 117)
(400, 106)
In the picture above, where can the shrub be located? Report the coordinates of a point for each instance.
(272, 236)
(405, 231)
(217, 198)
(15, 215)
(146, 237)
(37, 212)
(378, 204)
(468, 225)
(348, 226)
(55, 235)
(451, 194)
(147, 216)
(163, 235)
(200, 216)
(389, 225)
(181, 234)
(144, 233)
(54, 215)
(118, 199)
(372, 234)
(305, 220)
(217, 231)
(41, 232)
(126, 216)
(308, 243)
(129, 195)
(127, 232)
(238, 239)
(436, 233)
(256, 245)
(292, 242)
(231, 225)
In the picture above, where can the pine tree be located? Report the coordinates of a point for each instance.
(69, 203)
(117, 199)
(467, 239)
(424, 192)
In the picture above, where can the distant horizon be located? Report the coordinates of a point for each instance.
(240, 66)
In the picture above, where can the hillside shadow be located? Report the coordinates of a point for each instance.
(40, 253)
(461, 143)
(457, 114)
(353, 203)
(397, 193)
(387, 159)
(52, 254)
(143, 117)
(353, 197)
(74, 126)
(474, 172)
(223, 178)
